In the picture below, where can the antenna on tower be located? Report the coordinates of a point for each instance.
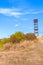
(36, 27)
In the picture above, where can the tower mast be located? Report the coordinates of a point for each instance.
(36, 27)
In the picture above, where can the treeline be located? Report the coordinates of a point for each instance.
(17, 37)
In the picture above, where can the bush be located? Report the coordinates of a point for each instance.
(5, 40)
(14, 39)
(30, 36)
(20, 36)
(17, 37)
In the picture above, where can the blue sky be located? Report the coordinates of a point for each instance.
(18, 15)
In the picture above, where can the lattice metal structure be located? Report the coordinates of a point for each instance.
(36, 27)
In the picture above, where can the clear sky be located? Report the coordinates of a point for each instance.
(18, 15)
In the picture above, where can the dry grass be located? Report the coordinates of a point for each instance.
(25, 53)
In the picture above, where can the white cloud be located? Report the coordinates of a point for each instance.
(34, 12)
(10, 12)
(16, 12)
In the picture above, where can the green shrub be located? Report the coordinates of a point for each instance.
(30, 36)
(20, 36)
(14, 39)
(17, 37)
(5, 40)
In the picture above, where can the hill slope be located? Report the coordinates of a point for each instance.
(27, 53)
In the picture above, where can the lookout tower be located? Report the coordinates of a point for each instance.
(36, 27)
